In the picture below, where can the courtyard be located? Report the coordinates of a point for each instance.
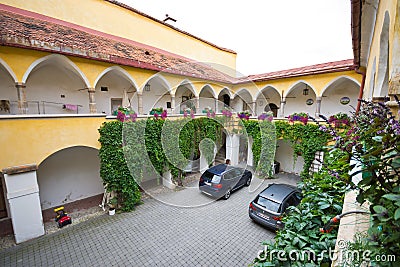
(156, 234)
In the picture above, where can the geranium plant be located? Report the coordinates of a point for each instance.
(339, 120)
(126, 114)
(302, 117)
(269, 116)
(244, 115)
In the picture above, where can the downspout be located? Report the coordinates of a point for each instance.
(360, 94)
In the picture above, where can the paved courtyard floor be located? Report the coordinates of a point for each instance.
(160, 232)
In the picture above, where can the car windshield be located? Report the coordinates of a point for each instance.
(268, 204)
(211, 178)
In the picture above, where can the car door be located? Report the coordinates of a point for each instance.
(238, 177)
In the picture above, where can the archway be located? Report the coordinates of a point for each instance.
(184, 97)
(110, 87)
(301, 97)
(156, 94)
(70, 177)
(9, 97)
(207, 99)
(242, 101)
(341, 95)
(55, 85)
(268, 95)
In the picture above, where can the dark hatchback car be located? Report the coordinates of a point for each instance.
(221, 180)
(268, 207)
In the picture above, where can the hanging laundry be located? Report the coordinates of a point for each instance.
(71, 107)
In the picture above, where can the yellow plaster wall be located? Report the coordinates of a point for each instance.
(109, 18)
(374, 53)
(32, 140)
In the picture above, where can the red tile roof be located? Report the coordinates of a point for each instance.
(22, 30)
(342, 65)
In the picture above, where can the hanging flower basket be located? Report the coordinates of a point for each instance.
(301, 117)
(126, 114)
(339, 120)
(269, 116)
(244, 115)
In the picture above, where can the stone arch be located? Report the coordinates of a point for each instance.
(339, 95)
(184, 96)
(111, 85)
(159, 94)
(243, 100)
(382, 82)
(188, 84)
(58, 59)
(117, 69)
(294, 85)
(210, 88)
(266, 96)
(9, 95)
(338, 79)
(9, 70)
(55, 85)
(69, 176)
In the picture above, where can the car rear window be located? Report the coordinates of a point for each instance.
(211, 178)
(268, 204)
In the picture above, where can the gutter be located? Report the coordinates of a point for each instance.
(360, 94)
(356, 42)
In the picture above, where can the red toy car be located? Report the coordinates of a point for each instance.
(62, 218)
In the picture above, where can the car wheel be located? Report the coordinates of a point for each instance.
(248, 181)
(227, 194)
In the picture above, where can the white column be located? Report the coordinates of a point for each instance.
(283, 103)
(318, 107)
(254, 107)
(232, 148)
(172, 104)
(216, 105)
(197, 103)
(22, 193)
(250, 152)
(92, 100)
(140, 103)
(22, 104)
(167, 180)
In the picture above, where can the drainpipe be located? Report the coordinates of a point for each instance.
(360, 94)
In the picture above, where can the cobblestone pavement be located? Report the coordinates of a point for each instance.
(155, 234)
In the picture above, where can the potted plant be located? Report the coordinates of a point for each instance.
(269, 116)
(244, 115)
(302, 117)
(112, 204)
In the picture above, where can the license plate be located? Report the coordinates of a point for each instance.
(263, 216)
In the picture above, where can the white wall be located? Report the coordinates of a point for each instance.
(284, 155)
(8, 91)
(69, 175)
(48, 83)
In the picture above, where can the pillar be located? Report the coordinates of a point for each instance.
(22, 104)
(172, 104)
(22, 193)
(92, 100)
(254, 107)
(318, 107)
(250, 152)
(140, 102)
(167, 180)
(197, 103)
(216, 105)
(283, 103)
(232, 148)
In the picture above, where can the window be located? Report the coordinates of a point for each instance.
(268, 204)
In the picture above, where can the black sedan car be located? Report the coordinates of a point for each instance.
(221, 180)
(268, 207)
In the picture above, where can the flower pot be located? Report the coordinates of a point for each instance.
(111, 211)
